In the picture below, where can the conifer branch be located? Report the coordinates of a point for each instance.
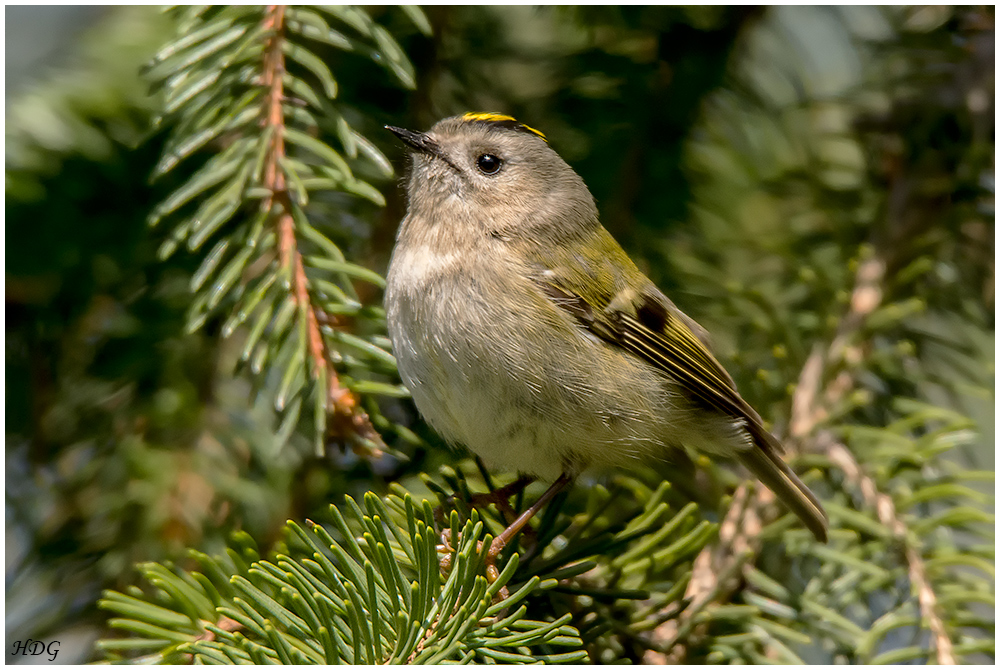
(341, 403)
(884, 507)
(369, 589)
(807, 414)
(242, 85)
(740, 529)
(716, 570)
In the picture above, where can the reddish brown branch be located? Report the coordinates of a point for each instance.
(274, 118)
(347, 418)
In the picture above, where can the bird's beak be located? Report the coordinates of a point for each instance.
(419, 141)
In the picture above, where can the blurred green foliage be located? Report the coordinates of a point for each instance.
(751, 160)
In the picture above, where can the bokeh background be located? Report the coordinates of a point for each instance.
(742, 155)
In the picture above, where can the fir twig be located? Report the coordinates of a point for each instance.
(353, 594)
(886, 511)
(739, 533)
(347, 413)
(242, 85)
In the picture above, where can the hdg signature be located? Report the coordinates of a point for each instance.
(36, 648)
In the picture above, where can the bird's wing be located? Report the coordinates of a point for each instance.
(645, 323)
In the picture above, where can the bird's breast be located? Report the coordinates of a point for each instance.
(493, 365)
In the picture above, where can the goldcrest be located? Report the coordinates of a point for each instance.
(525, 332)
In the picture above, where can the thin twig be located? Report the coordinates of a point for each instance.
(740, 529)
(347, 415)
(841, 456)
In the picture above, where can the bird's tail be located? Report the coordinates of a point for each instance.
(764, 461)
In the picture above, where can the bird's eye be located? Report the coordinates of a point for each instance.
(489, 164)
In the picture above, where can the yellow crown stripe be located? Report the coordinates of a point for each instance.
(496, 117)
(489, 117)
(537, 132)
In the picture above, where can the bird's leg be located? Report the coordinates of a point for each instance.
(501, 497)
(511, 531)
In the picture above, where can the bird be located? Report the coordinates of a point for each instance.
(524, 331)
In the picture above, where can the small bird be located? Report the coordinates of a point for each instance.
(525, 332)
